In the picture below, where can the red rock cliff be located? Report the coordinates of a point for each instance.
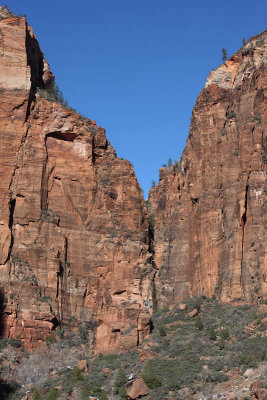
(73, 232)
(210, 209)
(75, 242)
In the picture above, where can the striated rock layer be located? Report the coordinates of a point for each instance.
(73, 232)
(76, 240)
(209, 209)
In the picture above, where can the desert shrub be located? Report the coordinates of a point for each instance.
(176, 349)
(199, 323)
(162, 330)
(166, 342)
(150, 377)
(93, 391)
(224, 334)
(178, 166)
(216, 363)
(256, 118)
(221, 343)
(83, 333)
(53, 93)
(208, 375)
(211, 334)
(34, 370)
(262, 326)
(120, 380)
(185, 369)
(14, 342)
(53, 394)
(253, 351)
(36, 395)
(122, 392)
(51, 339)
(231, 115)
(173, 383)
(76, 376)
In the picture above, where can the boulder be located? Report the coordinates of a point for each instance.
(83, 366)
(258, 391)
(138, 388)
(249, 373)
(193, 313)
(182, 307)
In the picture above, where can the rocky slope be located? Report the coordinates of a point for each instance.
(73, 237)
(209, 209)
(217, 354)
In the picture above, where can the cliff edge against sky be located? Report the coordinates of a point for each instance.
(78, 245)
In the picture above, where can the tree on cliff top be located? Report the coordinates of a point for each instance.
(224, 54)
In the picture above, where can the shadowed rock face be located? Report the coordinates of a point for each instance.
(209, 210)
(73, 232)
(75, 241)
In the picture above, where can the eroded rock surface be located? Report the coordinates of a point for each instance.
(76, 240)
(73, 232)
(209, 211)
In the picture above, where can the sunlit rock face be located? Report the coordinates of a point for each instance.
(73, 230)
(78, 246)
(209, 211)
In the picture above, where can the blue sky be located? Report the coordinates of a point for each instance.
(137, 66)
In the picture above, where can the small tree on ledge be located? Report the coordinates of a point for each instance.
(224, 54)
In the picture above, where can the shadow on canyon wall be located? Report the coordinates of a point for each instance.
(1, 312)
(5, 388)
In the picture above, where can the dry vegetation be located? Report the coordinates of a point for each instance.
(185, 356)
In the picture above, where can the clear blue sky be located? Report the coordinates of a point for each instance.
(137, 66)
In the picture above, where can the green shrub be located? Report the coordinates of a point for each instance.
(173, 383)
(211, 334)
(93, 390)
(51, 339)
(166, 342)
(53, 93)
(122, 392)
(256, 118)
(120, 380)
(221, 343)
(45, 299)
(224, 54)
(224, 334)
(162, 330)
(199, 323)
(83, 333)
(52, 394)
(14, 342)
(150, 377)
(75, 377)
(197, 304)
(178, 166)
(231, 115)
(36, 395)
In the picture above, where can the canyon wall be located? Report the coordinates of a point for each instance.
(74, 246)
(78, 245)
(209, 210)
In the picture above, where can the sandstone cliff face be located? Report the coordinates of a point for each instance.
(73, 232)
(75, 240)
(210, 209)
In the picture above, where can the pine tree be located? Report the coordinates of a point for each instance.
(224, 54)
